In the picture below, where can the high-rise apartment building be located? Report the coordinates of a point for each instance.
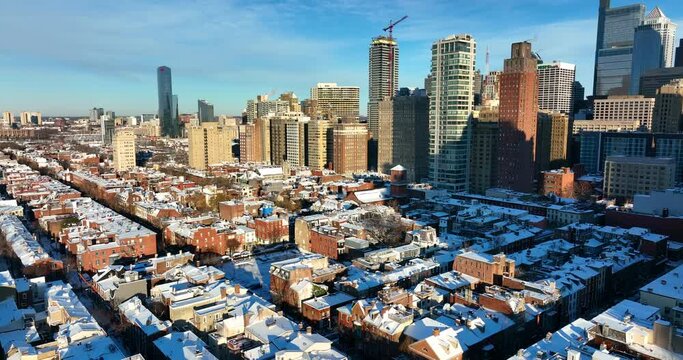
(205, 111)
(250, 144)
(271, 108)
(262, 128)
(667, 30)
(555, 86)
(320, 144)
(7, 118)
(491, 89)
(210, 143)
(382, 76)
(484, 151)
(404, 133)
(28, 118)
(667, 116)
(635, 107)
(518, 113)
(107, 128)
(451, 102)
(626, 176)
(350, 147)
(614, 47)
(383, 136)
(168, 110)
(553, 140)
(291, 99)
(123, 149)
(336, 101)
(288, 138)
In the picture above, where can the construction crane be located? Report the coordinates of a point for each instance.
(390, 85)
(392, 24)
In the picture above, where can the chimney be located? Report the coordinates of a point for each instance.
(436, 332)
(237, 289)
(224, 292)
(662, 334)
(309, 330)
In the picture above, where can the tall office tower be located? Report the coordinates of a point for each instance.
(491, 89)
(636, 107)
(382, 76)
(319, 144)
(293, 101)
(278, 140)
(518, 113)
(336, 101)
(614, 47)
(111, 114)
(484, 150)
(578, 97)
(250, 144)
(350, 148)
(679, 55)
(210, 144)
(205, 111)
(552, 144)
(451, 103)
(404, 133)
(95, 114)
(653, 80)
(123, 146)
(107, 129)
(555, 85)
(667, 116)
(7, 118)
(167, 104)
(647, 54)
(667, 30)
(595, 147)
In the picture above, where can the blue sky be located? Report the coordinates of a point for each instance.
(63, 57)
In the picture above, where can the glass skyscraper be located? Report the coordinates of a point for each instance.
(647, 54)
(451, 101)
(614, 47)
(167, 114)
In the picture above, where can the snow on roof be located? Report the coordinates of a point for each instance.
(138, 315)
(183, 345)
(329, 300)
(25, 247)
(452, 280)
(99, 347)
(668, 285)
(374, 195)
(6, 279)
(573, 335)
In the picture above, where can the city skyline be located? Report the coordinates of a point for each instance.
(109, 61)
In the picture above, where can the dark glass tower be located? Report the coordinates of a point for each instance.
(167, 117)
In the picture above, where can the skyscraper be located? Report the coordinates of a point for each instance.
(518, 116)
(7, 118)
(95, 114)
(614, 47)
(451, 102)
(336, 101)
(383, 82)
(679, 54)
(123, 146)
(491, 89)
(555, 86)
(484, 150)
(167, 104)
(205, 111)
(647, 54)
(667, 116)
(667, 30)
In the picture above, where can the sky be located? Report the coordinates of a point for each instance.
(63, 57)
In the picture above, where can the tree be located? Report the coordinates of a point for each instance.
(583, 190)
(233, 245)
(384, 227)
